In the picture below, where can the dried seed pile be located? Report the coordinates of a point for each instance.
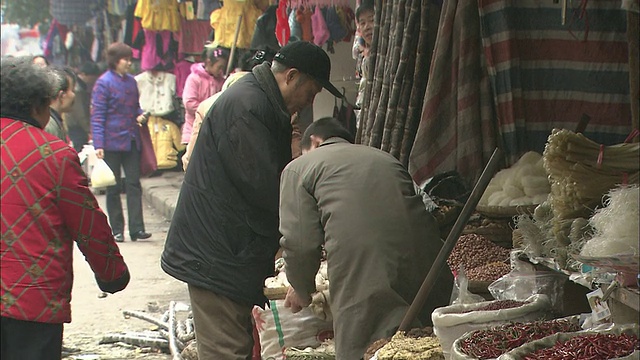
(472, 251)
(488, 272)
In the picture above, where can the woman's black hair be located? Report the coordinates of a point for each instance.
(366, 5)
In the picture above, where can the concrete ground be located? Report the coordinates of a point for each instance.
(150, 289)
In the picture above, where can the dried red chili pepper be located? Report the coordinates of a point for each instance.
(493, 342)
(587, 347)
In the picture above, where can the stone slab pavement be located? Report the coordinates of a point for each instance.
(162, 191)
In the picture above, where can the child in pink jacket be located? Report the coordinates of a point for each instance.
(205, 80)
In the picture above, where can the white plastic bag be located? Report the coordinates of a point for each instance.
(280, 329)
(101, 175)
(451, 322)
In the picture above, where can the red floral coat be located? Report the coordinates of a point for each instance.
(46, 207)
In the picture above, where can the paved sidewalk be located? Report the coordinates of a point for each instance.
(162, 191)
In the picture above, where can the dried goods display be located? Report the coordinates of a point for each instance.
(595, 346)
(493, 342)
(326, 351)
(413, 333)
(402, 347)
(488, 272)
(497, 305)
(524, 183)
(581, 171)
(473, 250)
(616, 225)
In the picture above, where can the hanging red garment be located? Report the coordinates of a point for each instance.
(283, 32)
(303, 15)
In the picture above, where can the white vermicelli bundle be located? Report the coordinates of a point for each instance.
(616, 225)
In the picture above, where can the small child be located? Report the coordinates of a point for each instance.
(365, 17)
(206, 79)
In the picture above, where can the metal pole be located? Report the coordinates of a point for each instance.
(441, 261)
(233, 47)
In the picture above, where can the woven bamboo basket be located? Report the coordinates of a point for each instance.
(505, 211)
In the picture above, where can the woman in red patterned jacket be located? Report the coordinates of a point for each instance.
(46, 206)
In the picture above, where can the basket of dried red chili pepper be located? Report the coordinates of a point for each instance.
(618, 342)
(453, 321)
(490, 343)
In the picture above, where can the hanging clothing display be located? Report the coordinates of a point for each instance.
(294, 26)
(119, 7)
(264, 36)
(133, 25)
(54, 49)
(193, 36)
(182, 69)
(303, 15)
(71, 12)
(158, 15)
(283, 32)
(225, 19)
(157, 90)
(165, 137)
(320, 31)
(158, 50)
(206, 7)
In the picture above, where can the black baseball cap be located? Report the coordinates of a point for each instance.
(309, 59)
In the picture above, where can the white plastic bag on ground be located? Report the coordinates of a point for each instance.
(280, 329)
(101, 175)
(451, 322)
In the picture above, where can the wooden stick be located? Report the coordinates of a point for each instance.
(146, 317)
(441, 261)
(173, 341)
(233, 46)
(137, 339)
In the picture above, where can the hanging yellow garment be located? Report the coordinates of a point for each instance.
(225, 19)
(158, 15)
(165, 136)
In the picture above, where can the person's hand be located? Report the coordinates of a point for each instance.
(141, 119)
(185, 162)
(100, 153)
(294, 301)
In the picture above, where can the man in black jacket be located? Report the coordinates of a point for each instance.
(224, 232)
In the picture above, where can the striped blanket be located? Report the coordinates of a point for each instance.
(542, 75)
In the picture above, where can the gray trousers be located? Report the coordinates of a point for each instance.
(224, 329)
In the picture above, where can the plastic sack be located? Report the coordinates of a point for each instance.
(549, 341)
(458, 354)
(101, 175)
(280, 329)
(519, 286)
(460, 293)
(451, 322)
